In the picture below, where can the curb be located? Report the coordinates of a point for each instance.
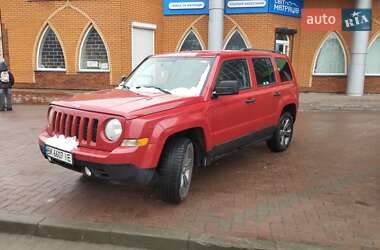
(324, 108)
(134, 236)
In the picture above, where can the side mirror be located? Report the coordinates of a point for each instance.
(227, 88)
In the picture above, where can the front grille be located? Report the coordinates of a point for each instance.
(85, 129)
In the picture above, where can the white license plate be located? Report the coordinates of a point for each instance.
(59, 155)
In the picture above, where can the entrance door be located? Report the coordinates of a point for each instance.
(143, 42)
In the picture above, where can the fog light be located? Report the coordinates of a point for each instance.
(135, 142)
(87, 172)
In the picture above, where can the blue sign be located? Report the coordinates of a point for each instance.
(200, 7)
(185, 7)
(246, 6)
(286, 7)
(280, 7)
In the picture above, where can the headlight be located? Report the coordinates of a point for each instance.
(113, 129)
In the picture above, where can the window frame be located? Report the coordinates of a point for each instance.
(218, 71)
(318, 52)
(276, 73)
(283, 42)
(185, 37)
(84, 38)
(228, 39)
(42, 36)
(377, 37)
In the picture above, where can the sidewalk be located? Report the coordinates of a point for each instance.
(308, 101)
(338, 102)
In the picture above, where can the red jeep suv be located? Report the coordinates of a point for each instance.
(172, 113)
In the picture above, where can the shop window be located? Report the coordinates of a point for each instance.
(50, 53)
(191, 42)
(264, 71)
(235, 42)
(93, 53)
(235, 70)
(331, 59)
(282, 43)
(373, 62)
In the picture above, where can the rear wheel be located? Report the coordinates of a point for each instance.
(283, 135)
(176, 169)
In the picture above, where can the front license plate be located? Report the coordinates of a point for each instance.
(59, 155)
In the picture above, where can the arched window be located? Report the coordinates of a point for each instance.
(235, 41)
(282, 43)
(331, 58)
(50, 53)
(373, 61)
(93, 52)
(191, 42)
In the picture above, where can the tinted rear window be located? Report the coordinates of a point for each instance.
(264, 71)
(284, 70)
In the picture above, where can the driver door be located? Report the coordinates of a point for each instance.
(232, 116)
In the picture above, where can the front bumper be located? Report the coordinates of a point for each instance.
(107, 165)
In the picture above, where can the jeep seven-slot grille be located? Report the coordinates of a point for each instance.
(83, 128)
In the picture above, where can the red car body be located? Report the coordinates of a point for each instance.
(214, 124)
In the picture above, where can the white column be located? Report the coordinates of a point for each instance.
(216, 24)
(356, 73)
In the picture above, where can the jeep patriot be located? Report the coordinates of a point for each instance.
(173, 113)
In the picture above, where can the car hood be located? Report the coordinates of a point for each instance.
(125, 103)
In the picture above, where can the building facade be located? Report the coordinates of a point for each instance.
(91, 44)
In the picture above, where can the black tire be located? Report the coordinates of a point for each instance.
(173, 166)
(283, 134)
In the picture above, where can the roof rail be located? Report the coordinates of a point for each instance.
(253, 49)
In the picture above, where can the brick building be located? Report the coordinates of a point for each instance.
(91, 44)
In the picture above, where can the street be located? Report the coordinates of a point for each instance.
(325, 190)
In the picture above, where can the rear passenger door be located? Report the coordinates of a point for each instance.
(266, 92)
(287, 84)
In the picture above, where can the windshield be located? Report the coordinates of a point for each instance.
(171, 75)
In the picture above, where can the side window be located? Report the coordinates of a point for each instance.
(264, 71)
(235, 70)
(284, 70)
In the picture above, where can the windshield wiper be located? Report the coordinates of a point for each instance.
(155, 87)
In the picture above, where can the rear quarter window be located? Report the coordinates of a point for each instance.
(283, 68)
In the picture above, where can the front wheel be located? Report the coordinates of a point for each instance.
(283, 135)
(176, 169)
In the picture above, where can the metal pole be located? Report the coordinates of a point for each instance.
(356, 73)
(216, 24)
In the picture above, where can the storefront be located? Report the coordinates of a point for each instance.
(91, 45)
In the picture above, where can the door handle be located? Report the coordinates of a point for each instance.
(250, 101)
(277, 93)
